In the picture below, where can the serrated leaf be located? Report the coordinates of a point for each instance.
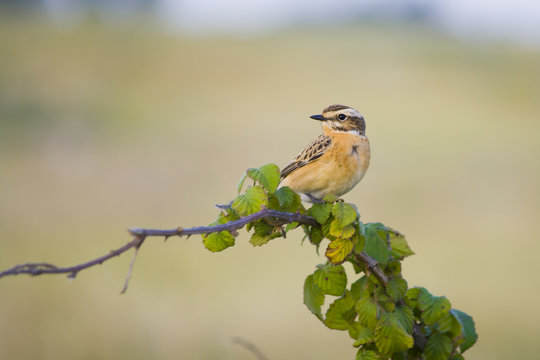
(360, 333)
(267, 175)
(250, 202)
(469, 331)
(263, 233)
(438, 347)
(411, 297)
(340, 314)
(341, 232)
(438, 309)
(291, 226)
(313, 297)
(344, 213)
(364, 354)
(449, 324)
(218, 241)
(361, 288)
(399, 246)
(391, 336)
(396, 288)
(332, 280)
(315, 235)
(367, 312)
(386, 302)
(288, 200)
(338, 250)
(320, 211)
(406, 317)
(376, 246)
(424, 298)
(330, 198)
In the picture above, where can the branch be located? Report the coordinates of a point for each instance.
(140, 235)
(230, 226)
(35, 269)
(372, 265)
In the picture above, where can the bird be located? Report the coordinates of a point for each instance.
(335, 161)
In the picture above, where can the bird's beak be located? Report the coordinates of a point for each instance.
(318, 117)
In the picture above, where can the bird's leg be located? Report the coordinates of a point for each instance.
(314, 199)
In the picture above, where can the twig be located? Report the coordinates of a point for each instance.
(130, 271)
(372, 265)
(35, 269)
(250, 347)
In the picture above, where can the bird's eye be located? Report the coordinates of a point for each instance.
(342, 117)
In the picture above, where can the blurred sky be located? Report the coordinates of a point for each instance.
(516, 20)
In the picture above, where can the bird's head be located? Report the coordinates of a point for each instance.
(342, 118)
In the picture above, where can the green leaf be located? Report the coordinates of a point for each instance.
(406, 317)
(424, 298)
(267, 175)
(250, 202)
(332, 280)
(241, 183)
(338, 250)
(330, 198)
(344, 213)
(320, 211)
(367, 312)
(386, 302)
(313, 296)
(469, 331)
(360, 333)
(262, 234)
(288, 200)
(391, 336)
(399, 246)
(438, 347)
(315, 235)
(411, 297)
(340, 314)
(361, 288)
(364, 354)
(438, 309)
(376, 246)
(341, 232)
(291, 226)
(449, 324)
(396, 288)
(218, 241)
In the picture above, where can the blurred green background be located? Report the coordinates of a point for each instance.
(106, 127)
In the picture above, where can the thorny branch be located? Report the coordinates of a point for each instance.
(140, 234)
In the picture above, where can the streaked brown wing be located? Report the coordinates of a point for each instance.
(312, 152)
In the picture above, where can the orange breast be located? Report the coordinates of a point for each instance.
(341, 167)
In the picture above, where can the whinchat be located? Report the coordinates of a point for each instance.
(334, 162)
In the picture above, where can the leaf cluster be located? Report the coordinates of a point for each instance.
(382, 314)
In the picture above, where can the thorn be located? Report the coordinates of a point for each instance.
(166, 237)
(72, 275)
(224, 207)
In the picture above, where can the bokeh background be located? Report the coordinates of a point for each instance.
(116, 114)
